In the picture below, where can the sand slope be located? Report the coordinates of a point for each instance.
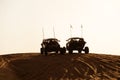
(59, 67)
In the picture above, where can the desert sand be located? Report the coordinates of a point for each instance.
(33, 66)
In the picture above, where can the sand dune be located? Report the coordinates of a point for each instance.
(34, 66)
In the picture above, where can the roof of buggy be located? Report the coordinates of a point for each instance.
(74, 38)
(49, 39)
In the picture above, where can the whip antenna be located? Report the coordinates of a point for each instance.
(70, 30)
(53, 32)
(43, 32)
(81, 30)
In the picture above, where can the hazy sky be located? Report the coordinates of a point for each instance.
(21, 23)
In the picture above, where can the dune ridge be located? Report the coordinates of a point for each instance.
(33, 66)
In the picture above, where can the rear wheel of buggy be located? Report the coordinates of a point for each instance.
(41, 50)
(62, 50)
(46, 53)
(57, 51)
(70, 51)
(86, 50)
(79, 51)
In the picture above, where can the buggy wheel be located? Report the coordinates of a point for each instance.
(70, 51)
(86, 50)
(62, 50)
(57, 51)
(41, 50)
(79, 51)
(46, 53)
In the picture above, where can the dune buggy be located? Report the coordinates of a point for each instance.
(51, 45)
(76, 43)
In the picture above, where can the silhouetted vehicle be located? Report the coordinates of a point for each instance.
(76, 43)
(51, 45)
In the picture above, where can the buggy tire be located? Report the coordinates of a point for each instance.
(62, 50)
(46, 53)
(56, 51)
(41, 50)
(79, 51)
(86, 50)
(70, 51)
